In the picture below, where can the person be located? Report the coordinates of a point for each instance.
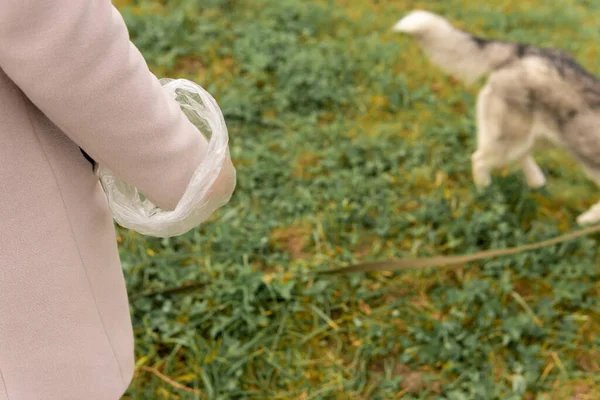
(70, 78)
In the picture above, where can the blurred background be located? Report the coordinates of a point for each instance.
(349, 145)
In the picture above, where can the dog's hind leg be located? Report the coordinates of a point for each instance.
(592, 215)
(580, 136)
(533, 173)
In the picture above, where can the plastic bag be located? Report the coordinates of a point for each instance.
(132, 210)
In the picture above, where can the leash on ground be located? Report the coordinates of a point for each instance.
(381, 266)
(408, 263)
(446, 261)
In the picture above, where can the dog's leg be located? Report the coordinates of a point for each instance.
(480, 168)
(533, 173)
(592, 215)
(581, 137)
(503, 135)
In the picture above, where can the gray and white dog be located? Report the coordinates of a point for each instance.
(531, 94)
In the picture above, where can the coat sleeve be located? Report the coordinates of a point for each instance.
(73, 59)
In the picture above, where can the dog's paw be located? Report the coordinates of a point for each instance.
(481, 174)
(590, 217)
(534, 176)
(482, 180)
(537, 181)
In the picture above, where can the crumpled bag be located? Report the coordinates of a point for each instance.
(132, 210)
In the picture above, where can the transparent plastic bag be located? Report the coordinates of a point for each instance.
(132, 210)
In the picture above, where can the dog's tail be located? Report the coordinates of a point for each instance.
(458, 53)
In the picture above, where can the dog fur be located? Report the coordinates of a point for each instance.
(532, 94)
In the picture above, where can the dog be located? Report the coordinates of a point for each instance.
(532, 94)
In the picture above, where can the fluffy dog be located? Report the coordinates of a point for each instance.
(531, 94)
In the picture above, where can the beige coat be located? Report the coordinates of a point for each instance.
(70, 78)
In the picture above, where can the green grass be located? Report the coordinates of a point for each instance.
(350, 146)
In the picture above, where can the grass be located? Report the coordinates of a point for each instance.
(350, 146)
